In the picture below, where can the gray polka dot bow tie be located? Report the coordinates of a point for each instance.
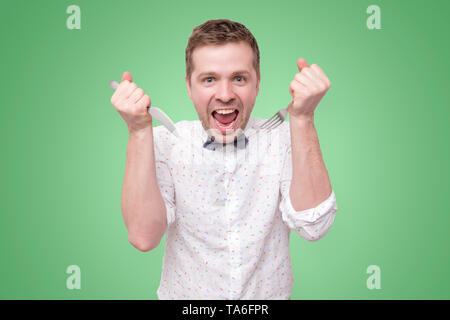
(239, 142)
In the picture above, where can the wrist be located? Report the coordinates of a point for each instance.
(141, 133)
(301, 121)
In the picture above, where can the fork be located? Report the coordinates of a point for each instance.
(277, 119)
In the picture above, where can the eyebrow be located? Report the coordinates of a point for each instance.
(212, 73)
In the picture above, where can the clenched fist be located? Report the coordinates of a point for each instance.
(307, 89)
(132, 104)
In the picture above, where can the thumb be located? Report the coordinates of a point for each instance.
(301, 63)
(127, 76)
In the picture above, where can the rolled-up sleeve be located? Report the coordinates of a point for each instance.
(311, 224)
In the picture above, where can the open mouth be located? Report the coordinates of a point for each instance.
(225, 119)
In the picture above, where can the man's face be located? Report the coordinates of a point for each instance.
(223, 88)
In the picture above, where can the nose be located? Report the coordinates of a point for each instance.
(224, 92)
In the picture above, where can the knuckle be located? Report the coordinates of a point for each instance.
(131, 111)
(139, 103)
(321, 87)
(127, 105)
(124, 84)
(309, 91)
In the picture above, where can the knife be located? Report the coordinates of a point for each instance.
(155, 112)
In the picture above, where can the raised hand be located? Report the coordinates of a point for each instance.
(132, 104)
(307, 89)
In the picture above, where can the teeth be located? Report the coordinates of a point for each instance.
(225, 111)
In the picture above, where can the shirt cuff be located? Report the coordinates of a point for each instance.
(312, 223)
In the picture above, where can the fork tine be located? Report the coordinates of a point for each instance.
(277, 119)
(274, 118)
(271, 122)
(275, 124)
(267, 121)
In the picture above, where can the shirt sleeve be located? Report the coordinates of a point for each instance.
(311, 224)
(164, 177)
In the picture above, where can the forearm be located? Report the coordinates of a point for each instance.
(310, 183)
(142, 205)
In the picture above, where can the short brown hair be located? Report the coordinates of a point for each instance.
(218, 32)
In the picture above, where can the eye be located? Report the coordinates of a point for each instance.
(207, 79)
(240, 78)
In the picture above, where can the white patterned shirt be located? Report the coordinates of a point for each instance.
(229, 214)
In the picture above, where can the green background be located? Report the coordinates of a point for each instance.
(383, 130)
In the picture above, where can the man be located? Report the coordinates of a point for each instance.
(227, 214)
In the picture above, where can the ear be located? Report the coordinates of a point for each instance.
(188, 87)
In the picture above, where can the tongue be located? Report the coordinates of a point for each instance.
(225, 118)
